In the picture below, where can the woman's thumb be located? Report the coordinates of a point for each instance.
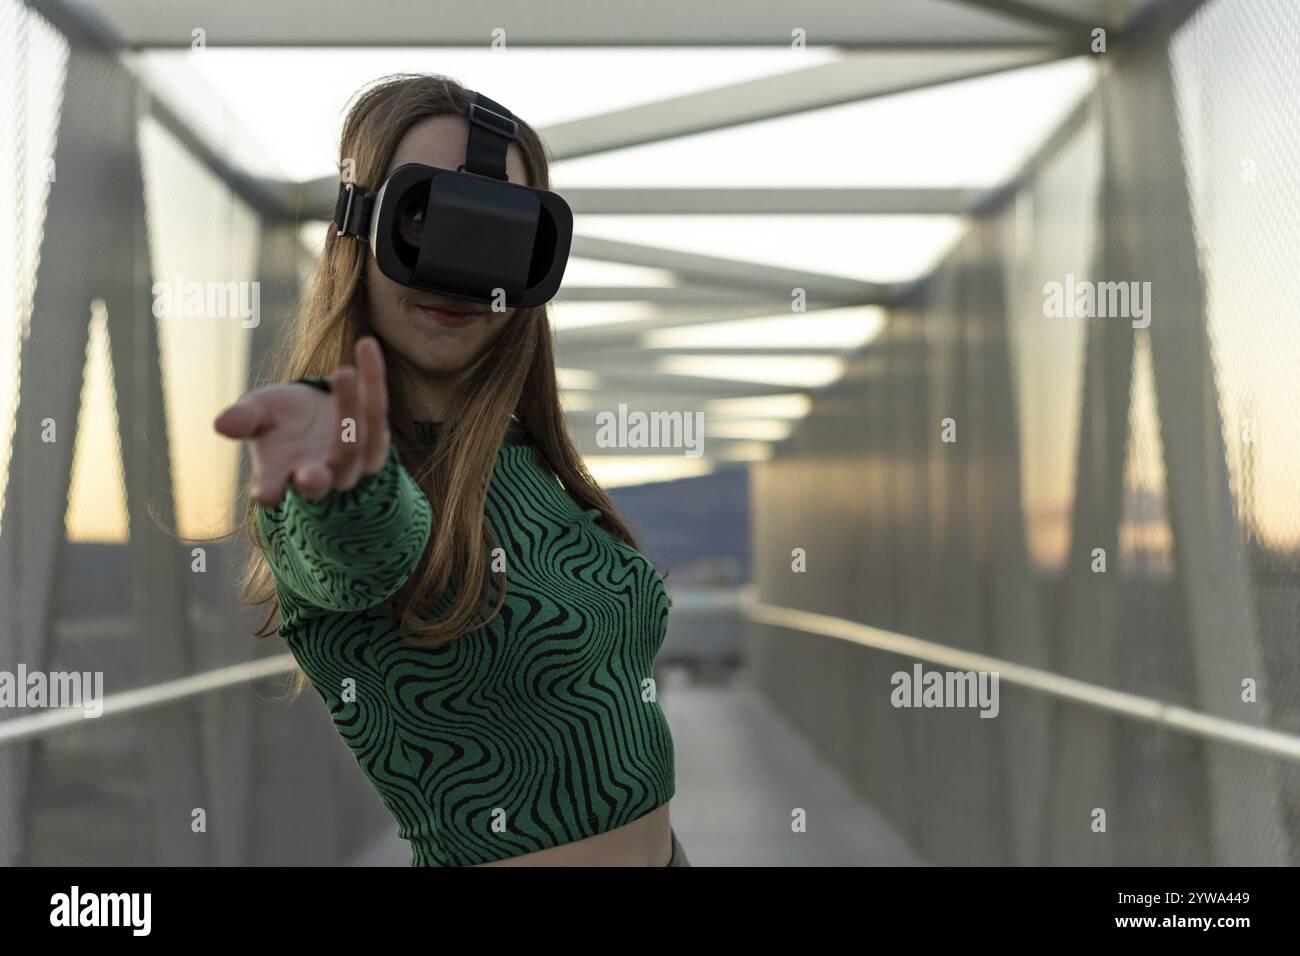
(242, 419)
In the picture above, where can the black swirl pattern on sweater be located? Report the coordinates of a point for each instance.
(540, 729)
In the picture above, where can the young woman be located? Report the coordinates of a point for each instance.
(478, 620)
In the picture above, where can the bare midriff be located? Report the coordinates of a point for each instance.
(646, 841)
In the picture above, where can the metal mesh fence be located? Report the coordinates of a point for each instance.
(97, 803)
(1239, 114)
(1103, 510)
(111, 456)
(32, 57)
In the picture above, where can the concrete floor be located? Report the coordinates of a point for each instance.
(741, 771)
(739, 782)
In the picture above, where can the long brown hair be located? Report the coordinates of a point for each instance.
(515, 374)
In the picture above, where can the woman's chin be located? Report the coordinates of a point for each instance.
(441, 362)
(440, 368)
(446, 349)
(436, 350)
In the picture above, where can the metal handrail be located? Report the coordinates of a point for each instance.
(1121, 703)
(1272, 742)
(146, 698)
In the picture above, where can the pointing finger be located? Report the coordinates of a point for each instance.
(374, 399)
(345, 456)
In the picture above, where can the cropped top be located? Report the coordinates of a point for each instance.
(540, 728)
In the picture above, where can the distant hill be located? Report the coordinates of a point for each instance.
(696, 529)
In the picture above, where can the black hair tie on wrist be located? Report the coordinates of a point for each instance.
(316, 381)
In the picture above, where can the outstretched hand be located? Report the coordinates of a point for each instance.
(315, 441)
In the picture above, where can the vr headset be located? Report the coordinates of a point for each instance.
(465, 233)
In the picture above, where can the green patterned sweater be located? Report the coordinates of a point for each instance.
(540, 729)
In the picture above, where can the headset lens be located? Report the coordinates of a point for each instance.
(410, 218)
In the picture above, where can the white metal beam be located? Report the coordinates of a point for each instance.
(320, 194)
(407, 23)
(734, 273)
(856, 77)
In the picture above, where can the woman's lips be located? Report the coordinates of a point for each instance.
(447, 317)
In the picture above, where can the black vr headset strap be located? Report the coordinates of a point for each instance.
(352, 211)
(492, 127)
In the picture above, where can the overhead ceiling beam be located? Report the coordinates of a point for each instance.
(683, 295)
(108, 27)
(852, 79)
(812, 201)
(585, 418)
(629, 356)
(886, 24)
(733, 273)
(595, 357)
(85, 27)
(620, 381)
(627, 334)
(598, 334)
(1035, 15)
(584, 432)
(668, 398)
(320, 194)
(637, 362)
